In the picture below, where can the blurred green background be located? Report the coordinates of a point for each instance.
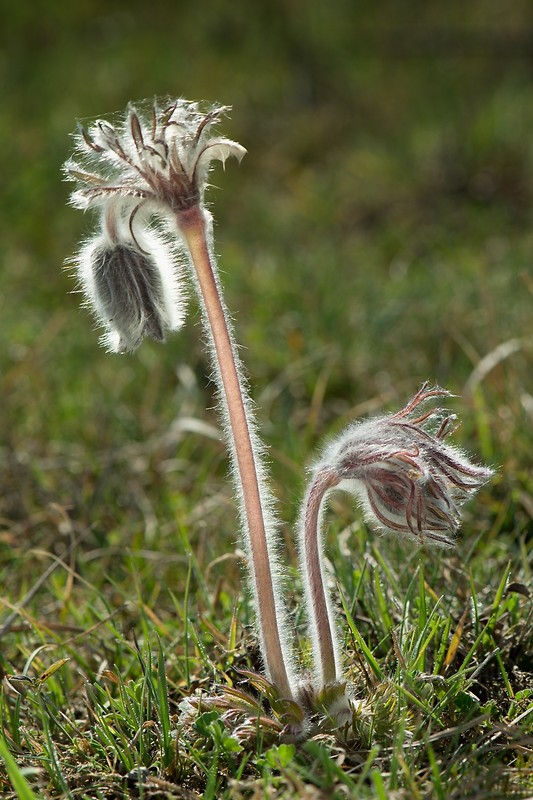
(378, 233)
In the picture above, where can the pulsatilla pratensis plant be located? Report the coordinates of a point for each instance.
(408, 481)
(145, 178)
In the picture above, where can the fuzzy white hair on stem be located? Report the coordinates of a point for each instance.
(407, 480)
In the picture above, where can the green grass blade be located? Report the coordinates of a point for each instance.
(18, 781)
(376, 669)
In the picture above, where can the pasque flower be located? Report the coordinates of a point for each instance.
(136, 174)
(407, 479)
(146, 176)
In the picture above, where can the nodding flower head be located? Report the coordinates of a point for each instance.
(140, 175)
(161, 159)
(131, 278)
(407, 478)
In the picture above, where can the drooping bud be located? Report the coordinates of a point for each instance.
(407, 479)
(132, 284)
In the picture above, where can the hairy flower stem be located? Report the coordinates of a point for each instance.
(192, 224)
(327, 661)
(407, 480)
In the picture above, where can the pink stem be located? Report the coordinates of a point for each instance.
(321, 619)
(192, 224)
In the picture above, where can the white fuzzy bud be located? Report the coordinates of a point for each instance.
(133, 286)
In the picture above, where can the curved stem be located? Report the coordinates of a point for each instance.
(323, 633)
(244, 447)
